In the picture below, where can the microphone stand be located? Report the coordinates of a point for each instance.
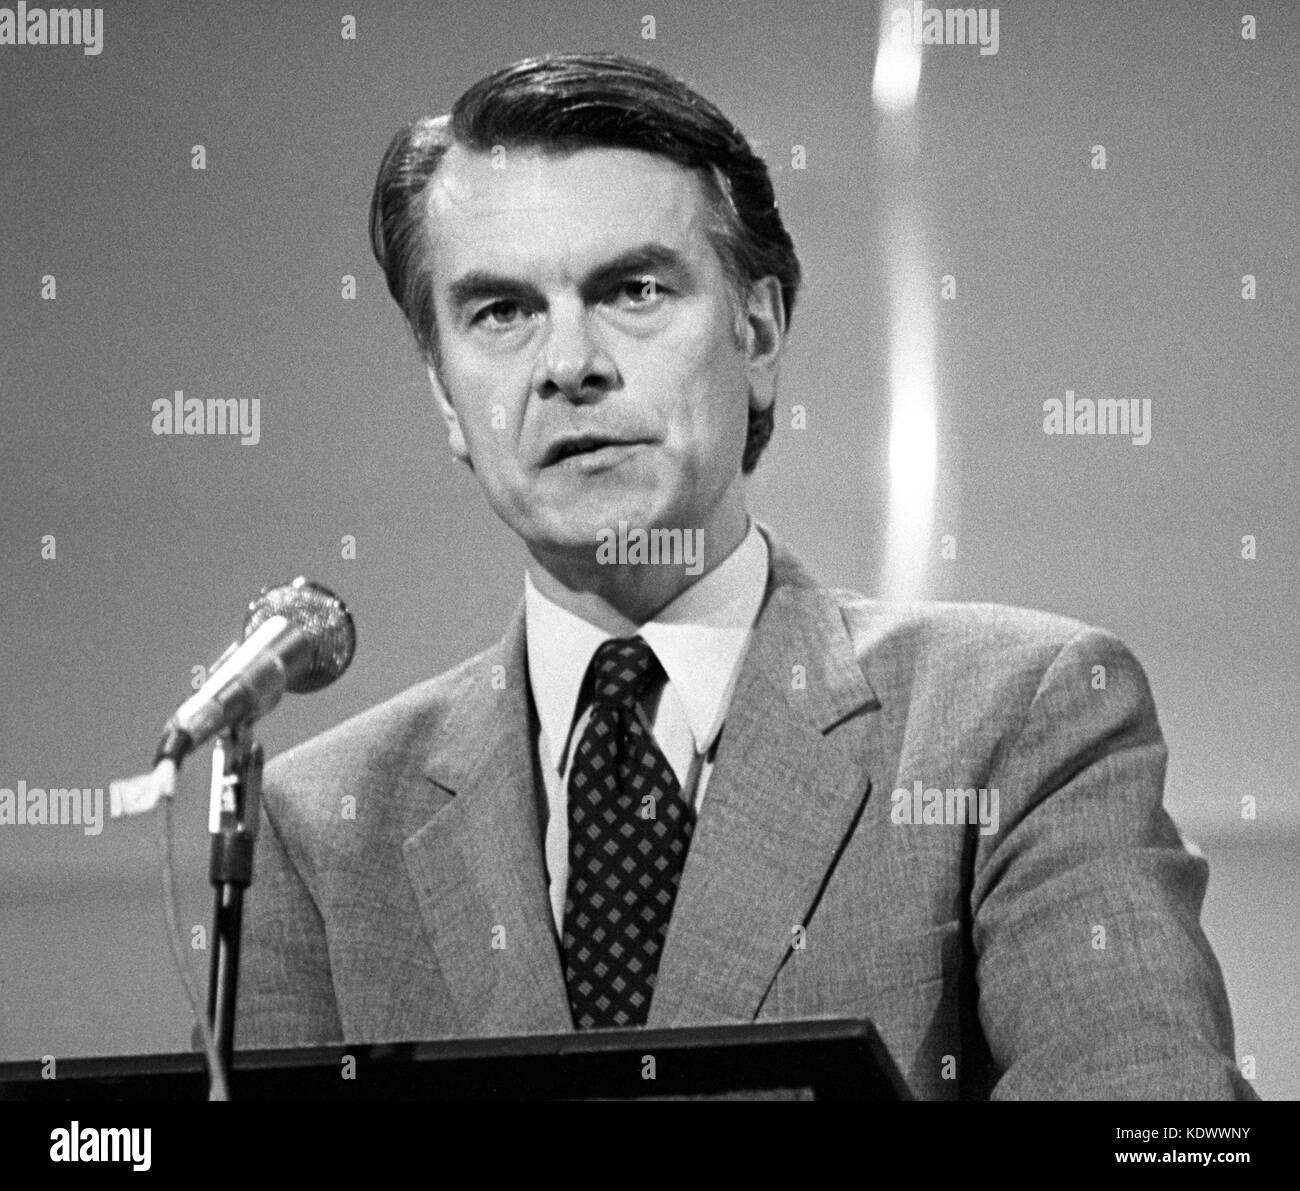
(233, 813)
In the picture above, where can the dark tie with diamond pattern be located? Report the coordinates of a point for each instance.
(629, 830)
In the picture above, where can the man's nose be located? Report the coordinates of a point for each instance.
(573, 363)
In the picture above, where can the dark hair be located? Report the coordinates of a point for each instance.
(564, 102)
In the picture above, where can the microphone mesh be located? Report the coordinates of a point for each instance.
(321, 615)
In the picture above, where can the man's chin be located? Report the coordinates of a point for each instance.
(585, 524)
(575, 543)
(580, 543)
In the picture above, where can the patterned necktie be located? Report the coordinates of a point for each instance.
(629, 829)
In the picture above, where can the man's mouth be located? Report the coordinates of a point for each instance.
(587, 446)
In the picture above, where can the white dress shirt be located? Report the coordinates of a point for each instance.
(700, 640)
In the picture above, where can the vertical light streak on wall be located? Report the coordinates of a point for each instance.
(909, 545)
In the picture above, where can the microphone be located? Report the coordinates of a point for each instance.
(298, 637)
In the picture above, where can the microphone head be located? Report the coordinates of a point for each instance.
(322, 616)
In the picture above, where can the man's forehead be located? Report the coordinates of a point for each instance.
(601, 199)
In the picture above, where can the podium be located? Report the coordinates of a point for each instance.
(799, 1060)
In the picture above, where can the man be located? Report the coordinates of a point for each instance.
(691, 785)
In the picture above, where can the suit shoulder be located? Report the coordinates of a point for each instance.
(380, 742)
(951, 622)
(973, 637)
(975, 671)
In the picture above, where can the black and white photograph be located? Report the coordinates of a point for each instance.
(721, 550)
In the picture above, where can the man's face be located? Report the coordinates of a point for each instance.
(589, 367)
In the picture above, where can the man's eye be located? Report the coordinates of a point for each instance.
(504, 313)
(639, 291)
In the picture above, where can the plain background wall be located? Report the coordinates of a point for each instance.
(227, 283)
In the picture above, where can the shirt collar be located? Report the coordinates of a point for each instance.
(699, 639)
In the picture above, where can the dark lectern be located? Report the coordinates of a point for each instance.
(802, 1060)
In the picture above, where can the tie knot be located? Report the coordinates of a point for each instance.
(622, 669)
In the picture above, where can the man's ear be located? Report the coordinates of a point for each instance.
(763, 339)
(455, 435)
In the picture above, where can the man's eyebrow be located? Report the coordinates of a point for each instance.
(644, 258)
(479, 284)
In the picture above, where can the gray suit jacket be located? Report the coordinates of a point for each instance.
(400, 889)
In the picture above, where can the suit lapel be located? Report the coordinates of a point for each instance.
(478, 865)
(789, 781)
